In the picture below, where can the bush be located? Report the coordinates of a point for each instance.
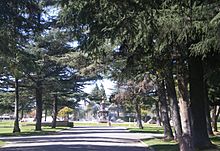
(64, 113)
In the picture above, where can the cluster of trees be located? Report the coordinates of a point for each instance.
(94, 99)
(176, 43)
(169, 49)
(40, 66)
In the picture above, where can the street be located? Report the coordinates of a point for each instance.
(81, 139)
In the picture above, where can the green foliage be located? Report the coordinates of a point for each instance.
(6, 102)
(98, 94)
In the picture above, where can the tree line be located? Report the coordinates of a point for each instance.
(173, 43)
(167, 49)
(40, 68)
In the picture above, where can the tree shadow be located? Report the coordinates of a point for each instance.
(70, 139)
(61, 147)
(93, 130)
(32, 133)
(215, 138)
(166, 147)
(149, 131)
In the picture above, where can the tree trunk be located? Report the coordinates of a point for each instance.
(215, 118)
(200, 136)
(168, 134)
(209, 122)
(16, 122)
(75, 114)
(158, 113)
(213, 111)
(54, 111)
(138, 114)
(39, 105)
(22, 111)
(207, 107)
(171, 91)
(186, 142)
(118, 110)
(45, 118)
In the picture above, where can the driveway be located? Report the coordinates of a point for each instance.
(81, 139)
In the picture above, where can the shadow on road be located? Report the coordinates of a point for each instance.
(72, 139)
(78, 139)
(75, 148)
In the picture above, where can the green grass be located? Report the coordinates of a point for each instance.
(149, 128)
(216, 140)
(128, 125)
(27, 128)
(103, 124)
(76, 124)
(161, 145)
(2, 143)
(156, 143)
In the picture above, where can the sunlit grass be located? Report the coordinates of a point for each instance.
(27, 128)
(150, 128)
(76, 124)
(216, 140)
(2, 143)
(161, 145)
(124, 124)
(79, 124)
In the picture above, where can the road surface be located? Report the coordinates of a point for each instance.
(81, 139)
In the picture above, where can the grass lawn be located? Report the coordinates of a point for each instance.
(1, 143)
(161, 145)
(27, 128)
(148, 128)
(76, 124)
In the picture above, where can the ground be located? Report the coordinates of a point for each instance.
(81, 139)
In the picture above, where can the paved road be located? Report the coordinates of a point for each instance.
(81, 139)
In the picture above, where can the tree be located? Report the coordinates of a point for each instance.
(140, 29)
(134, 93)
(98, 94)
(19, 19)
(64, 113)
(168, 134)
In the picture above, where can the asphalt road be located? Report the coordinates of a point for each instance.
(81, 139)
